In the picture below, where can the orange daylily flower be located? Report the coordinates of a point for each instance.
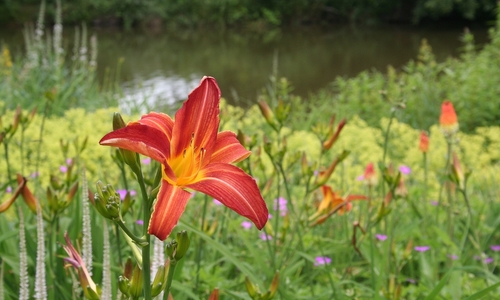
(448, 119)
(333, 203)
(193, 155)
(424, 142)
(369, 176)
(23, 190)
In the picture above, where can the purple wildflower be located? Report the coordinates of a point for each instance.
(132, 193)
(422, 248)
(8, 189)
(488, 260)
(322, 260)
(139, 222)
(434, 203)
(453, 256)
(35, 174)
(265, 237)
(280, 205)
(146, 161)
(495, 247)
(405, 170)
(217, 202)
(246, 224)
(69, 161)
(381, 237)
(63, 169)
(360, 178)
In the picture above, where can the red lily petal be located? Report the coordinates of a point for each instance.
(159, 121)
(167, 210)
(235, 189)
(197, 121)
(139, 138)
(228, 149)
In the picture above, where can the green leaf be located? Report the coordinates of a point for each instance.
(438, 287)
(484, 292)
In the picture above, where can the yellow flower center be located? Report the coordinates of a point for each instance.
(186, 166)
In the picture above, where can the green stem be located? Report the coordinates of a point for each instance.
(137, 240)
(40, 136)
(146, 258)
(6, 147)
(170, 277)
(448, 157)
(200, 247)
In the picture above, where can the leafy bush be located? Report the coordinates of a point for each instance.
(469, 81)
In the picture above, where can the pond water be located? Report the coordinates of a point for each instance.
(163, 67)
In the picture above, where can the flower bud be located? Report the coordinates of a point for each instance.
(136, 282)
(252, 289)
(214, 295)
(124, 285)
(183, 242)
(107, 201)
(171, 249)
(268, 114)
(325, 175)
(159, 282)
(274, 285)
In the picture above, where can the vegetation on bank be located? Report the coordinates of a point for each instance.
(248, 13)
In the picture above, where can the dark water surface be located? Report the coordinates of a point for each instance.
(162, 67)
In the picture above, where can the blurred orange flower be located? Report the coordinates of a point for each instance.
(448, 119)
(333, 203)
(424, 142)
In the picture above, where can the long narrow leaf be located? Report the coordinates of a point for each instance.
(484, 292)
(438, 287)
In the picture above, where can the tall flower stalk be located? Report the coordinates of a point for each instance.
(106, 265)
(40, 282)
(24, 288)
(86, 228)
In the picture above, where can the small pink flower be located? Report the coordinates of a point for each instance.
(35, 174)
(405, 170)
(146, 161)
(139, 222)
(322, 260)
(217, 202)
(381, 237)
(246, 224)
(495, 247)
(434, 203)
(133, 193)
(69, 161)
(63, 169)
(280, 205)
(453, 256)
(8, 189)
(265, 237)
(488, 260)
(360, 178)
(422, 248)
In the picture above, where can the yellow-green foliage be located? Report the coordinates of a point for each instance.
(477, 152)
(75, 124)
